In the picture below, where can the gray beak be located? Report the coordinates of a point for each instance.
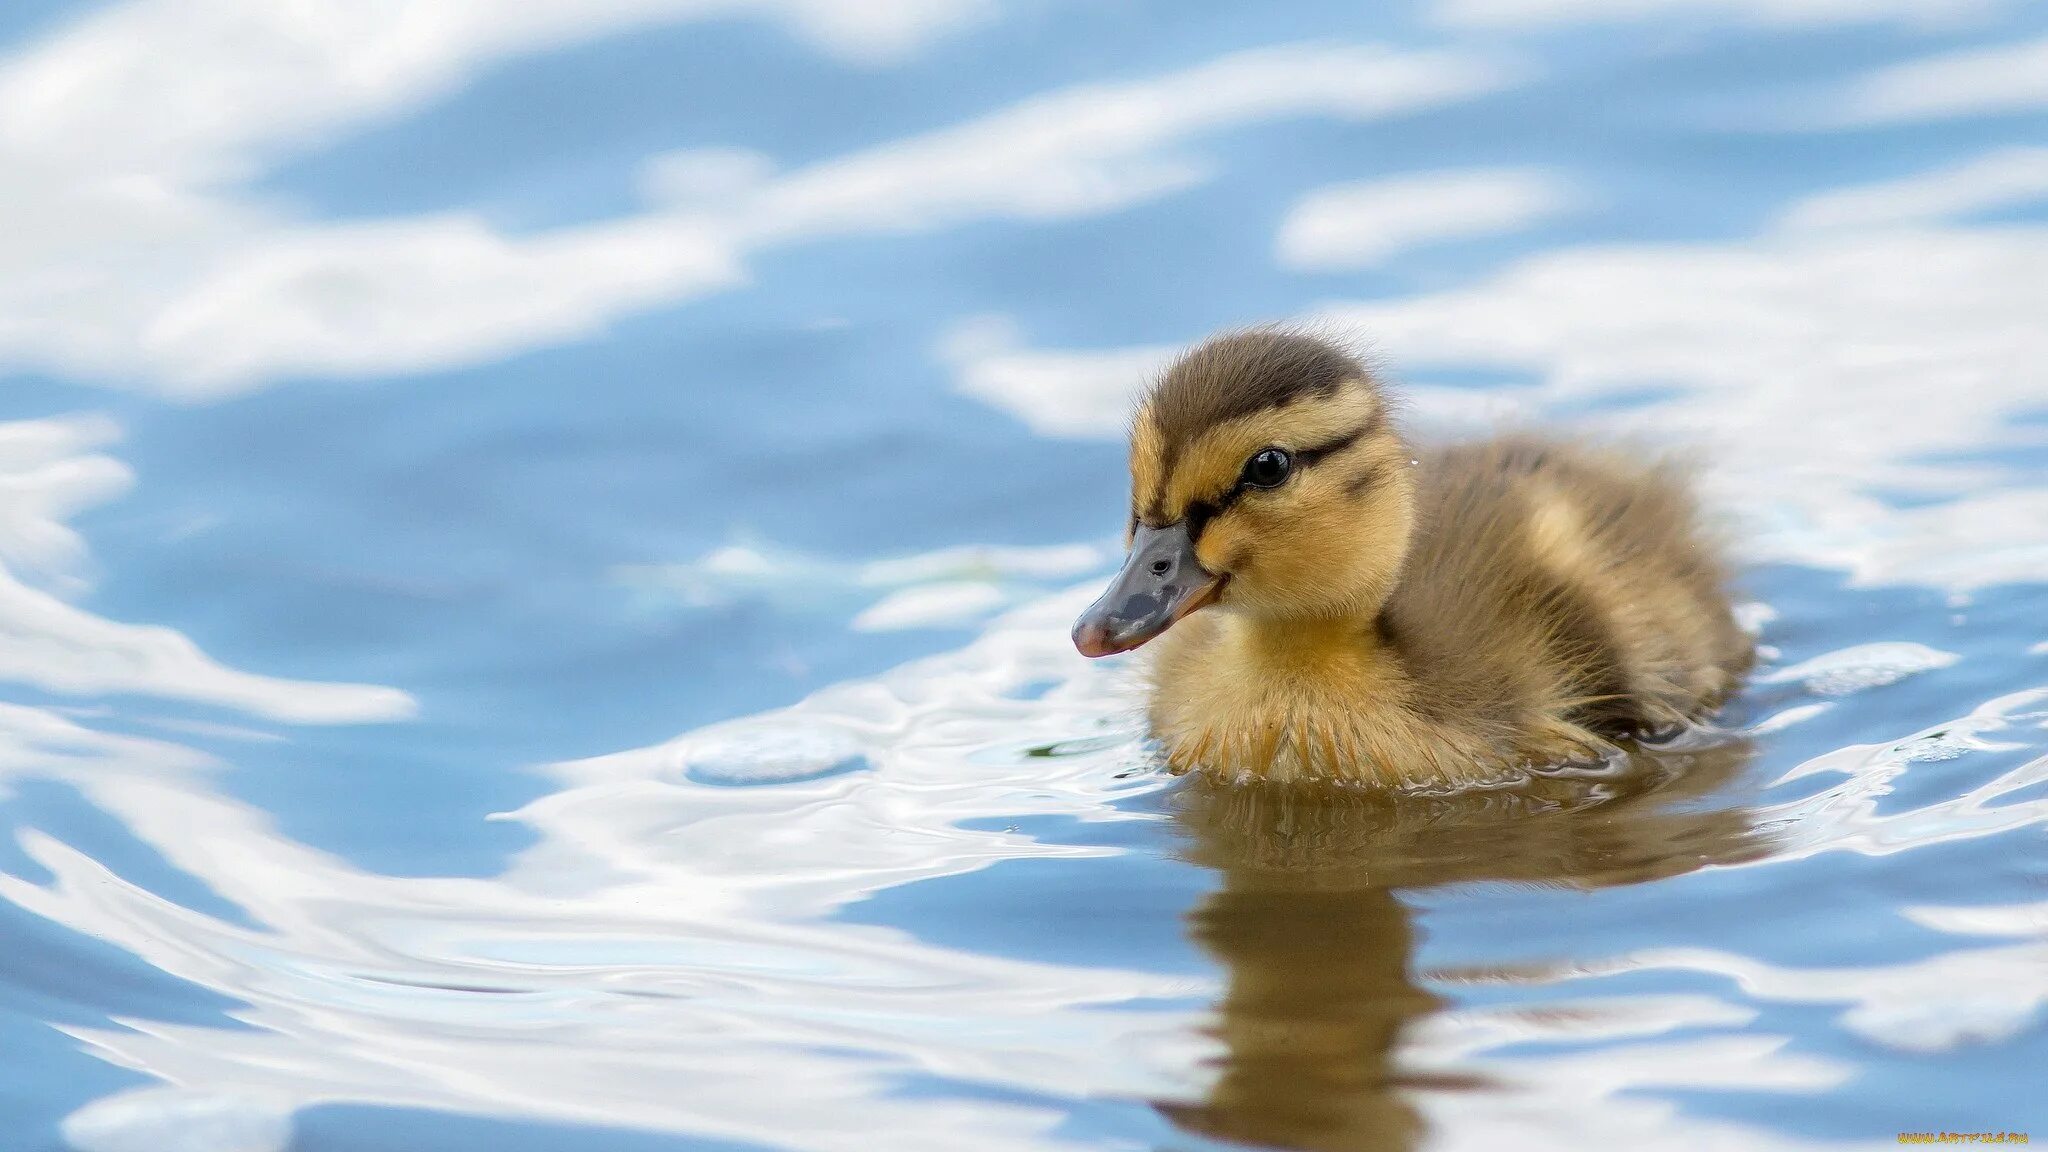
(1161, 582)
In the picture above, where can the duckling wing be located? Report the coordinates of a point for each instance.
(1562, 583)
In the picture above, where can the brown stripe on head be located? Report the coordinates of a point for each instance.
(1234, 394)
(1242, 373)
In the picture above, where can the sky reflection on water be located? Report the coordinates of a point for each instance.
(418, 415)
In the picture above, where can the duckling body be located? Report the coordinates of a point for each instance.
(1553, 597)
(1329, 604)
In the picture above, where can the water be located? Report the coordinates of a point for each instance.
(536, 544)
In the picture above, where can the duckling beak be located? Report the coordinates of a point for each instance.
(1161, 582)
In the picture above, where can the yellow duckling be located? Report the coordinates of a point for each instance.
(1331, 604)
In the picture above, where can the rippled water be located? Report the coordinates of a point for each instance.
(536, 543)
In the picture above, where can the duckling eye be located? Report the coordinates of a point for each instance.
(1268, 469)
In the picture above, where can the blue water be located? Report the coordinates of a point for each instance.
(536, 544)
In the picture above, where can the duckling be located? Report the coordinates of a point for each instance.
(1328, 603)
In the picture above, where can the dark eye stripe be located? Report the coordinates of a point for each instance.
(1368, 478)
(1307, 456)
(1200, 512)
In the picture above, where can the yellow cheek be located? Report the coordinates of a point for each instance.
(1290, 549)
(1258, 544)
(1222, 540)
(1290, 545)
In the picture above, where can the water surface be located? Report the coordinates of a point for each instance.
(536, 545)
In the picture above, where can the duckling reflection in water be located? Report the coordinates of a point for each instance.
(1329, 603)
(1319, 950)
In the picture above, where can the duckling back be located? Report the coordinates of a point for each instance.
(1556, 588)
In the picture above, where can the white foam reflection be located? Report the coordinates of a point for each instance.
(2006, 178)
(2004, 77)
(1861, 666)
(1364, 224)
(1081, 394)
(1968, 996)
(170, 1120)
(217, 293)
(1789, 13)
(1846, 815)
(946, 587)
(941, 605)
(1598, 1099)
(49, 471)
(172, 95)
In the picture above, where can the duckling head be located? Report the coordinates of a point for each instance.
(1267, 479)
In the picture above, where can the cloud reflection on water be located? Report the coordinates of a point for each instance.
(681, 920)
(49, 471)
(217, 295)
